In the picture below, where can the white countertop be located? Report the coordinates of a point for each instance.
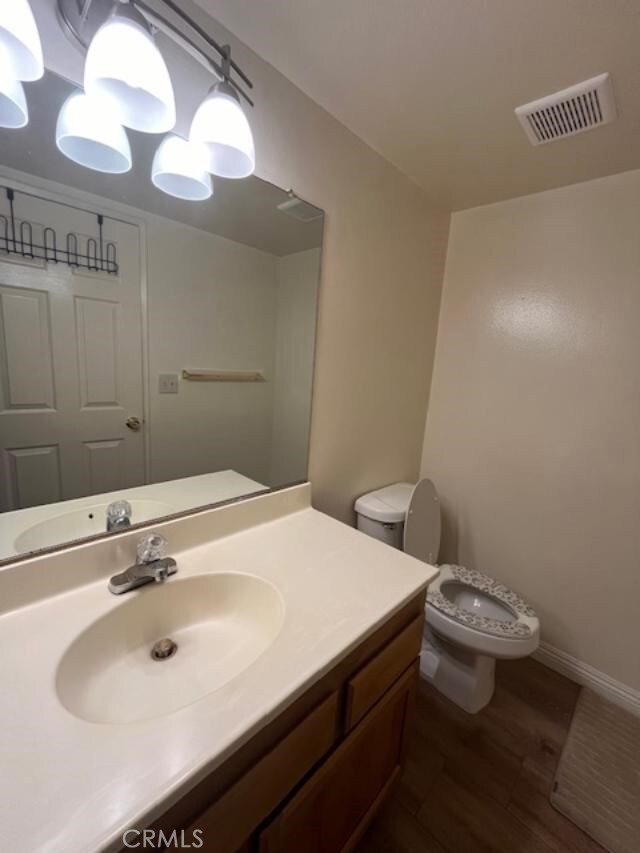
(71, 786)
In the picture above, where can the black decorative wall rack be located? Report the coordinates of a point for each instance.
(17, 239)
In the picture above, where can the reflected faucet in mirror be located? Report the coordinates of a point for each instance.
(151, 565)
(119, 515)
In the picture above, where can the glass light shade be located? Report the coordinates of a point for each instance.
(180, 169)
(13, 104)
(20, 39)
(89, 134)
(222, 126)
(124, 64)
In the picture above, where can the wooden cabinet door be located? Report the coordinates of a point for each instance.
(228, 822)
(331, 811)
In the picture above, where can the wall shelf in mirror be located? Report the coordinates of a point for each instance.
(223, 376)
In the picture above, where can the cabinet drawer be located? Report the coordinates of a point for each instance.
(332, 810)
(231, 819)
(375, 678)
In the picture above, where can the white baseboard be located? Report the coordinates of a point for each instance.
(588, 676)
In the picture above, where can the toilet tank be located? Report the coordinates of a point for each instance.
(381, 513)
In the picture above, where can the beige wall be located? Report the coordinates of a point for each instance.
(380, 291)
(533, 432)
(216, 303)
(297, 299)
(212, 303)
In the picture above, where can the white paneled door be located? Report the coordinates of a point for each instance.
(70, 367)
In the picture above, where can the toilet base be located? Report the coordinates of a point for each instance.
(466, 678)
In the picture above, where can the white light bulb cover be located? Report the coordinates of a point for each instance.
(20, 39)
(88, 133)
(180, 169)
(222, 126)
(13, 104)
(124, 64)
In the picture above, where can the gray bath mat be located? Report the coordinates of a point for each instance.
(597, 783)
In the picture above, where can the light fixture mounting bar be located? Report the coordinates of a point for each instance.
(223, 50)
(82, 19)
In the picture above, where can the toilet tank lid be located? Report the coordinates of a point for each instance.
(388, 505)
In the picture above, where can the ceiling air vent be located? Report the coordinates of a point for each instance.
(571, 111)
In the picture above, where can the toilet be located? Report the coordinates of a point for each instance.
(471, 619)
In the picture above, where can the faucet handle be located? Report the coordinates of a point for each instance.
(119, 511)
(151, 547)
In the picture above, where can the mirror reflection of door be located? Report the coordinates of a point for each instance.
(70, 368)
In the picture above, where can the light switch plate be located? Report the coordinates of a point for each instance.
(168, 383)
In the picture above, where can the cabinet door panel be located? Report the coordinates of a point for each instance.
(330, 813)
(226, 824)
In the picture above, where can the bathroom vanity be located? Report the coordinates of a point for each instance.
(278, 725)
(314, 778)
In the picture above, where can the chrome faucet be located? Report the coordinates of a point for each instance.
(119, 516)
(151, 565)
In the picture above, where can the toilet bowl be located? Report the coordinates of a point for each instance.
(471, 619)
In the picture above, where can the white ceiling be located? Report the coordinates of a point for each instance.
(432, 84)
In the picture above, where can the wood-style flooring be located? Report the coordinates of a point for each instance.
(481, 783)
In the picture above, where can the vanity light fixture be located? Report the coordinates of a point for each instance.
(13, 104)
(20, 39)
(180, 169)
(221, 125)
(89, 134)
(125, 66)
(126, 71)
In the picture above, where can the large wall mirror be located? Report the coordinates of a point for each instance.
(152, 350)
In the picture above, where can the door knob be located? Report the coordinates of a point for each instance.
(134, 423)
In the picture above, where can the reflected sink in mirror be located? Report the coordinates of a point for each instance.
(221, 624)
(80, 523)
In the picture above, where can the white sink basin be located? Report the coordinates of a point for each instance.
(221, 623)
(79, 523)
